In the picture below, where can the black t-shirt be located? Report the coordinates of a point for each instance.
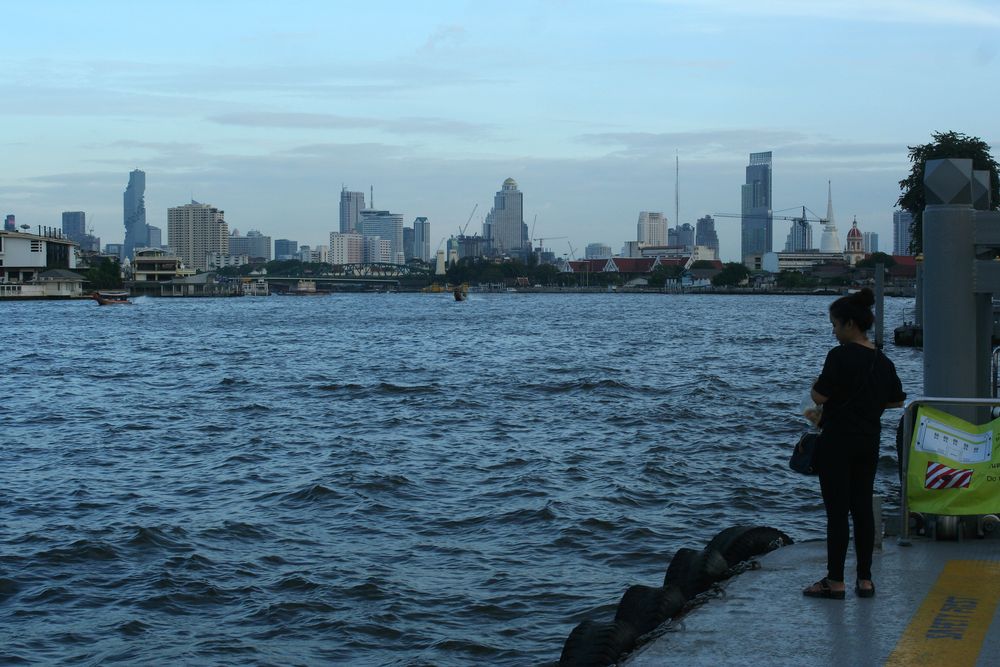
(859, 383)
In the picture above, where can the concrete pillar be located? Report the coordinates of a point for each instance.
(984, 302)
(950, 309)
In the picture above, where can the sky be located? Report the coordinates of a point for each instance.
(266, 110)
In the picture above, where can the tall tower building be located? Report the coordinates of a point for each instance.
(901, 223)
(870, 242)
(195, 231)
(705, 234)
(685, 236)
(504, 225)
(388, 227)
(351, 205)
(757, 224)
(136, 233)
(74, 225)
(800, 236)
(285, 249)
(422, 239)
(651, 228)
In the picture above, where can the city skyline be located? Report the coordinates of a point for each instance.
(270, 116)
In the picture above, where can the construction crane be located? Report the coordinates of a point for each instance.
(572, 251)
(461, 231)
(802, 218)
(541, 241)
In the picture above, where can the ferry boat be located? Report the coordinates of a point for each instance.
(111, 298)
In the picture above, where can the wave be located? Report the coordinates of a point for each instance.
(80, 551)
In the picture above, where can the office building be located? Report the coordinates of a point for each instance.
(800, 236)
(504, 226)
(652, 228)
(285, 249)
(134, 204)
(8, 223)
(407, 243)
(196, 230)
(757, 224)
(902, 227)
(346, 248)
(387, 226)
(154, 236)
(254, 245)
(74, 225)
(870, 240)
(114, 250)
(705, 234)
(597, 251)
(351, 205)
(377, 250)
(422, 239)
(684, 236)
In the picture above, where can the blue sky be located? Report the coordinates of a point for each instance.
(265, 109)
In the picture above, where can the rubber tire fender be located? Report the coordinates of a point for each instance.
(694, 572)
(741, 543)
(646, 607)
(597, 643)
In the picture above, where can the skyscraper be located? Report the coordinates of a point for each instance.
(901, 223)
(651, 229)
(74, 225)
(351, 205)
(155, 236)
(388, 227)
(870, 241)
(136, 234)
(685, 236)
(8, 223)
(705, 234)
(195, 231)
(422, 239)
(505, 222)
(757, 224)
(285, 249)
(253, 245)
(800, 236)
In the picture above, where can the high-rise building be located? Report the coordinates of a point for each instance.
(800, 236)
(8, 223)
(155, 236)
(422, 239)
(597, 251)
(870, 240)
(504, 225)
(407, 243)
(705, 234)
(134, 199)
(347, 248)
(377, 250)
(387, 226)
(285, 249)
(902, 222)
(254, 245)
(74, 225)
(685, 236)
(194, 231)
(351, 205)
(651, 228)
(757, 224)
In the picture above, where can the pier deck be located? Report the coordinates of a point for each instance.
(936, 604)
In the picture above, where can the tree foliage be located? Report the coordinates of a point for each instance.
(106, 274)
(733, 273)
(945, 145)
(877, 258)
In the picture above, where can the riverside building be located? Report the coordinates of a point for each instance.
(196, 230)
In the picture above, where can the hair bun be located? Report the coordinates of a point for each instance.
(865, 297)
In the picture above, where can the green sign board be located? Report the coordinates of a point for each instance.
(954, 466)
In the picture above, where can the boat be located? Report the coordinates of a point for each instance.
(461, 292)
(111, 298)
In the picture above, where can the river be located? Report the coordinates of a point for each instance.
(386, 479)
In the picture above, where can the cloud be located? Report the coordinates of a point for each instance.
(955, 12)
(444, 36)
(292, 120)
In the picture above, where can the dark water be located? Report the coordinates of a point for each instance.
(384, 479)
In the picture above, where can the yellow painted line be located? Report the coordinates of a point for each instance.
(951, 624)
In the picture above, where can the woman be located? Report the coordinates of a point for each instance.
(857, 384)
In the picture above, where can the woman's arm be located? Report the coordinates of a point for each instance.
(818, 398)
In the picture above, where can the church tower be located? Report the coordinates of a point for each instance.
(855, 245)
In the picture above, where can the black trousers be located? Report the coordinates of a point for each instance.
(847, 478)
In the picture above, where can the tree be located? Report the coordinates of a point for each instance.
(733, 273)
(877, 258)
(107, 274)
(945, 145)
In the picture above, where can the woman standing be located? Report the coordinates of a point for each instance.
(857, 384)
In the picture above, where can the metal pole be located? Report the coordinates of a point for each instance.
(879, 305)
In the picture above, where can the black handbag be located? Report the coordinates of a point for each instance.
(804, 453)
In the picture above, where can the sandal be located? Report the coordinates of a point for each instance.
(821, 589)
(864, 592)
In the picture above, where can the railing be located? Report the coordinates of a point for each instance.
(909, 417)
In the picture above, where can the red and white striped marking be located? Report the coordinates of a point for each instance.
(940, 476)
